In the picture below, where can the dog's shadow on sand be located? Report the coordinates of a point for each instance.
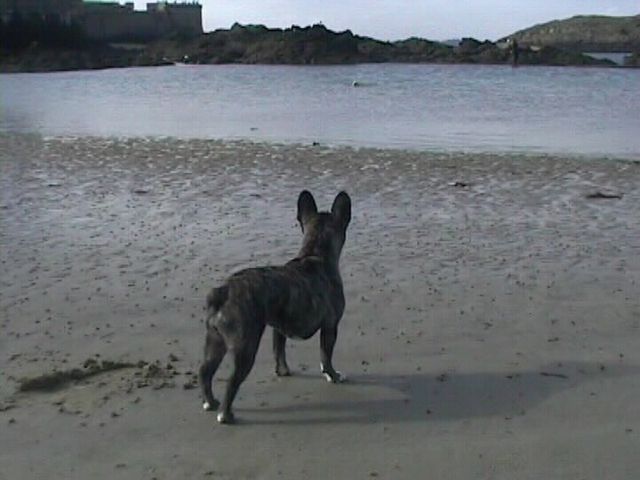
(427, 397)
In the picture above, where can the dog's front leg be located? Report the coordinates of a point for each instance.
(328, 336)
(279, 341)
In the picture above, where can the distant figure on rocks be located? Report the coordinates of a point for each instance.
(515, 52)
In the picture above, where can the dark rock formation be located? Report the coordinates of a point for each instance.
(317, 45)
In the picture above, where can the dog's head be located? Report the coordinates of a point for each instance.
(324, 232)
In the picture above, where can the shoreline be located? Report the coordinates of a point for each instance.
(400, 150)
(491, 327)
(11, 69)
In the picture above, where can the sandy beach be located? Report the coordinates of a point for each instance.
(491, 331)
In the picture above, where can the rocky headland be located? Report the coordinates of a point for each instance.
(585, 33)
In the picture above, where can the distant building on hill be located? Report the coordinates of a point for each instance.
(121, 22)
(63, 11)
(112, 21)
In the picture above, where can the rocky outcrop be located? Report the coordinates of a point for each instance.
(259, 44)
(585, 34)
(317, 45)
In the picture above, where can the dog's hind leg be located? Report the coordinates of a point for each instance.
(279, 341)
(244, 356)
(214, 351)
(328, 336)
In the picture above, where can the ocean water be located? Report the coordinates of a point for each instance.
(576, 111)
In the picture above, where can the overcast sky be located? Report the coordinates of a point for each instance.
(398, 19)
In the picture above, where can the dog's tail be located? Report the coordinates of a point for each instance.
(216, 298)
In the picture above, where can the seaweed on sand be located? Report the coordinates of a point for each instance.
(51, 381)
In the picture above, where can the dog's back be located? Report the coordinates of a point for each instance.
(295, 298)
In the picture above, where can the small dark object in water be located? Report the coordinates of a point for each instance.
(601, 195)
(458, 184)
(140, 191)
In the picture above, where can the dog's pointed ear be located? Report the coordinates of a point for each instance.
(341, 208)
(306, 206)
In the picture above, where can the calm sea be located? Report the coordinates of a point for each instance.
(435, 107)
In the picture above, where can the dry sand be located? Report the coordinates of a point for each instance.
(491, 330)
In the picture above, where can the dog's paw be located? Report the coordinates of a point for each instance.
(335, 377)
(206, 406)
(283, 371)
(340, 377)
(226, 418)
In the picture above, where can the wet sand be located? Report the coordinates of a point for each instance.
(491, 331)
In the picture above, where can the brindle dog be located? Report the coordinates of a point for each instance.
(297, 299)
